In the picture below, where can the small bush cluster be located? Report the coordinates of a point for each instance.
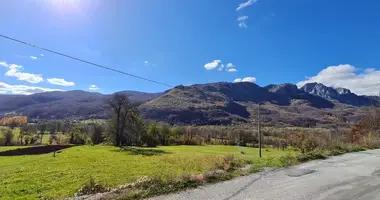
(92, 187)
(229, 163)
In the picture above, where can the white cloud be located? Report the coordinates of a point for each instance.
(230, 65)
(246, 79)
(242, 21)
(242, 25)
(242, 18)
(23, 89)
(15, 71)
(93, 87)
(218, 64)
(4, 64)
(245, 4)
(60, 81)
(221, 67)
(237, 80)
(366, 82)
(33, 57)
(146, 62)
(42, 55)
(212, 65)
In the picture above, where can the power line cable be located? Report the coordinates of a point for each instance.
(84, 61)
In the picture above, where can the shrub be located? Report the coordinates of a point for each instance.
(304, 142)
(79, 138)
(230, 162)
(309, 144)
(92, 187)
(54, 138)
(288, 160)
(33, 140)
(215, 176)
(310, 156)
(195, 140)
(149, 186)
(27, 140)
(198, 179)
(145, 182)
(8, 137)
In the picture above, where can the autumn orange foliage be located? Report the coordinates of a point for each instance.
(14, 121)
(358, 132)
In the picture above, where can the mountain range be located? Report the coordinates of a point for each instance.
(220, 103)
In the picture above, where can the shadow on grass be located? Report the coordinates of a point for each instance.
(34, 150)
(142, 151)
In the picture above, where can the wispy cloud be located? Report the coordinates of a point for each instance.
(242, 25)
(33, 57)
(232, 70)
(212, 65)
(60, 81)
(245, 4)
(4, 64)
(42, 55)
(148, 63)
(246, 79)
(242, 18)
(23, 89)
(242, 21)
(365, 82)
(221, 67)
(16, 71)
(230, 65)
(93, 87)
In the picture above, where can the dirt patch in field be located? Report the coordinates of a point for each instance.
(35, 150)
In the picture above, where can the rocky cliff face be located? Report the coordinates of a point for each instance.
(341, 95)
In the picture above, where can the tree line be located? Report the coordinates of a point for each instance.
(126, 127)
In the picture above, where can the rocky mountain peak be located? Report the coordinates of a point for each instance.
(283, 88)
(341, 95)
(320, 90)
(342, 90)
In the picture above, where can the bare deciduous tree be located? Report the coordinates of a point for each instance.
(123, 113)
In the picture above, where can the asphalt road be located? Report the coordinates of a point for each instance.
(347, 177)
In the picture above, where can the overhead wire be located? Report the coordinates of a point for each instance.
(84, 61)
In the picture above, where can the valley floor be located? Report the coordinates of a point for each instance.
(28, 176)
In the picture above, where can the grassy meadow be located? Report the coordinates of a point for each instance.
(27, 176)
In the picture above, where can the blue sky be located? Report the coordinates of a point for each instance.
(335, 42)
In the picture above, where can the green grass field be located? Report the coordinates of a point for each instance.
(24, 177)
